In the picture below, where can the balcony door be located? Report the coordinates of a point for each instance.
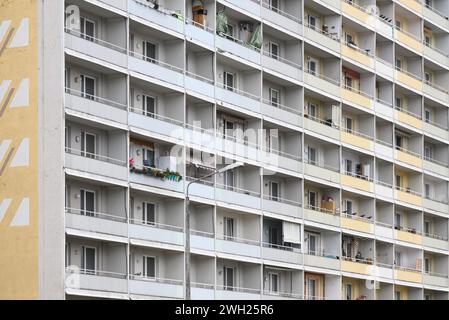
(312, 199)
(229, 179)
(274, 191)
(273, 235)
(87, 29)
(228, 81)
(88, 145)
(311, 155)
(149, 51)
(312, 66)
(274, 97)
(149, 105)
(273, 282)
(313, 243)
(228, 278)
(148, 213)
(87, 87)
(274, 5)
(273, 50)
(149, 267)
(148, 158)
(87, 205)
(228, 228)
(89, 260)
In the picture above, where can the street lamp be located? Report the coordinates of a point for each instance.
(187, 221)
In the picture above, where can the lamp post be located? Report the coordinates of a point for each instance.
(187, 223)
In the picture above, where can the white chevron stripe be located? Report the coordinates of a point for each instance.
(22, 156)
(4, 89)
(4, 147)
(22, 216)
(21, 97)
(4, 205)
(4, 26)
(22, 36)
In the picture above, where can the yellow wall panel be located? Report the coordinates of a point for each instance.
(356, 98)
(357, 225)
(357, 183)
(357, 141)
(19, 137)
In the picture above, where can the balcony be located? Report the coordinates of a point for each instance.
(203, 188)
(199, 84)
(237, 146)
(322, 171)
(156, 123)
(322, 127)
(104, 283)
(95, 106)
(281, 65)
(202, 291)
(322, 260)
(408, 274)
(155, 177)
(238, 246)
(407, 195)
(202, 240)
(357, 223)
(436, 279)
(281, 206)
(384, 270)
(435, 241)
(252, 6)
(359, 55)
(409, 235)
(199, 32)
(355, 96)
(436, 204)
(408, 79)
(408, 157)
(156, 69)
(357, 139)
(356, 11)
(408, 39)
(384, 68)
(433, 128)
(384, 189)
(281, 18)
(322, 82)
(322, 215)
(322, 38)
(156, 232)
(413, 5)
(435, 54)
(95, 164)
(238, 197)
(384, 230)
(157, 287)
(160, 16)
(119, 4)
(360, 266)
(281, 159)
(436, 91)
(281, 253)
(238, 48)
(97, 222)
(438, 18)
(237, 98)
(384, 148)
(236, 293)
(281, 112)
(95, 48)
(356, 181)
(408, 118)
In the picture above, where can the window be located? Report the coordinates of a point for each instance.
(274, 97)
(348, 83)
(313, 243)
(349, 39)
(149, 267)
(88, 145)
(398, 24)
(312, 110)
(311, 289)
(427, 265)
(397, 220)
(427, 115)
(427, 190)
(228, 79)
(148, 213)
(228, 127)
(229, 179)
(312, 199)
(312, 155)
(348, 124)
(398, 63)
(274, 50)
(312, 22)
(397, 295)
(398, 181)
(230, 31)
(349, 292)
(428, 3)
(398, 103)
(312, 66)
(228, 278)
(88, 260)
(348, 207)
(87, 202)
(397, 259)
(228, 225)
(428, 77)
(274, 282)
(274, 5)
(348, 166)
(427, 228)
(149, 51)
(427, 296)
(273, 235)
(87, 87)
(274, 191)
(427, 39)
(148, 157)
(87, 29)
(399, 141)
(148, 105)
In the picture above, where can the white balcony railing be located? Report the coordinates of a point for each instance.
(95, 98)
(95, 40)
(95, 156)
(266, 4)
(95, 214)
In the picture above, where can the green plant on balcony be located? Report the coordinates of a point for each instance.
(154, 172)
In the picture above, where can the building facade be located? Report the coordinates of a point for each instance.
(338, 110)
